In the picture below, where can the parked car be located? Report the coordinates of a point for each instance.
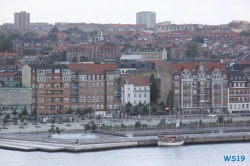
(246, 113)
(211, 115)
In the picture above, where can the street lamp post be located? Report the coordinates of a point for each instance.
(37, 109)
(149, 106)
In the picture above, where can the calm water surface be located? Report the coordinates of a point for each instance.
(191, 155)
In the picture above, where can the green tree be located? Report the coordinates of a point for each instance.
(192, 50)
(63, 56)
(24, 111)
(135, 109)
(98, 117)
(245, 33)
(10, 61)
(14, 112)
(137, 124)
(131, 38)
(145, 110)
(198, 39)
(67, 39)
(97, 61)
(221, 56)
(70, 111)
(119, 37)
(47, 48)
(74, 59)
(88, 110)
(93, 33)
(140, 104)
(29, 52)
(5, 119)
(22, 119)
(149, 45)
(154, 109)
(154, 90)
(127, 45)
(6, 45)
(84, 59)
(53, 30)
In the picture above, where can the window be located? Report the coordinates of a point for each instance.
(66, 85)
(145, 95)
(66, 107)
(176, 77)
(66, 100)
(176, 91)
(57, 70)
(139, 94)
(66, 92)
(128, 94)
(41, 85)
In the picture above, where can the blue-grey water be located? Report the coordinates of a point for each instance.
(190, 155)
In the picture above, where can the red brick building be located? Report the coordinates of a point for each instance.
(51, 87)
(199, 88)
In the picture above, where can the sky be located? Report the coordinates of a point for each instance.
(124, 11)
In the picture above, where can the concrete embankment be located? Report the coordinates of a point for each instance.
(48, 146)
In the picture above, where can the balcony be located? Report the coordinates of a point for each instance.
(74, 94)
(74, 80)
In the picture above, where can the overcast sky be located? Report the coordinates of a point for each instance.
(124, 11)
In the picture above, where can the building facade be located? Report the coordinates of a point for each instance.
(135, 90)
(238, 91)
(22, 20)
(147, 18)
(199, 88)
(50, 87)
(15, 98)
(95, 86)
(151, 53)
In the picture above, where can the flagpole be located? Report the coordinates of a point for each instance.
(175, 119)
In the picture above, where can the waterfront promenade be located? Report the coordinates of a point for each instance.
(74, 138)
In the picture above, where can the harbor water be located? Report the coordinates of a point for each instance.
(209, 154)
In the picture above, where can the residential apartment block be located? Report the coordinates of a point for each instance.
(22, 20)
(199, 88)
(147, 18)
(135, 89)
(15, 98)
(151, 53)
(51, 91)
(95, 86)
(238, 90)
(174, 27)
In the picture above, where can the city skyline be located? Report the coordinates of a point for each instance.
(124, 11)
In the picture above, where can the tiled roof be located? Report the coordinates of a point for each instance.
(44, 66)
(177, 68)
(9, 74)
(135, 80)
(158, 63)
(92, 68)
(7, 54)
(159, 49)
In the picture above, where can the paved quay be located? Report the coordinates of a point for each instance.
(74, 139)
